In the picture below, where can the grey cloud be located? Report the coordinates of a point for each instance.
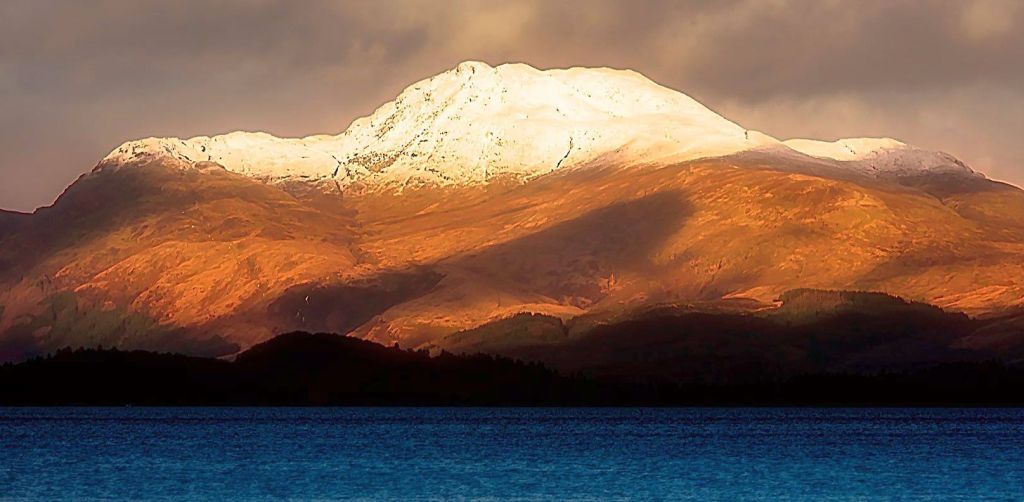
(77, 78)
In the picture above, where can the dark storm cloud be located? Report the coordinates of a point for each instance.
(77, 78)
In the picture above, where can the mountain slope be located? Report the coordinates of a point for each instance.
(698, 231)
(10, 220)
(162, 248)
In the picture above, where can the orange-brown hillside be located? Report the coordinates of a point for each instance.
(204, 254)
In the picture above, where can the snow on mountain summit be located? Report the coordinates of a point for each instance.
(476, 122)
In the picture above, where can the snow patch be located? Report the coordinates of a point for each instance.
(882, 156)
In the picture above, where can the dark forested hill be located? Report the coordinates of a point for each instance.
(325, 369)
(291, 369)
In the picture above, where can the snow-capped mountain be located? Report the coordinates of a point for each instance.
(476, 122)
(626, 197)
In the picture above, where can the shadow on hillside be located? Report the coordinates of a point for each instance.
(813, 332)
(570, 259)
(65, 320)
(343, 307)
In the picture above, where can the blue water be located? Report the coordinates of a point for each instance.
(408, 453)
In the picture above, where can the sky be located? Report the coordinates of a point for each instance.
(78, 78)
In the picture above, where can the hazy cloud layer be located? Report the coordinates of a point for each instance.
(78, 78)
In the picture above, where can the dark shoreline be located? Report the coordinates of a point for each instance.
(301, 369)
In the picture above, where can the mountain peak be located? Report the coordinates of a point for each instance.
(472, 66)
(477, 122)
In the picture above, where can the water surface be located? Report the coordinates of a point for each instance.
(559, 453)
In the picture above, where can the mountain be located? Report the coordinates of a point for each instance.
(483, 193)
